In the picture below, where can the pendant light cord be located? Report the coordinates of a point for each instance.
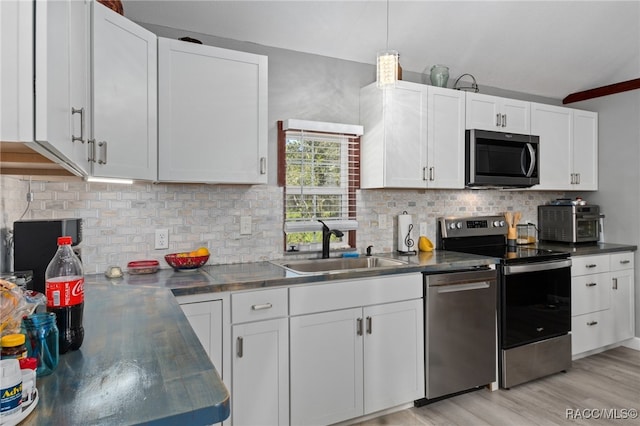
(387, 25)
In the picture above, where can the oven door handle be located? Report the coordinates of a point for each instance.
(590, 217)
(451, 288)
(537, 266)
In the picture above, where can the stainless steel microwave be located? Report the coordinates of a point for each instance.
(501, 160)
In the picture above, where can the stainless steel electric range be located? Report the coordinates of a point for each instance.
(534, 297)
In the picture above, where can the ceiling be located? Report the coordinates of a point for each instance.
(545, 48)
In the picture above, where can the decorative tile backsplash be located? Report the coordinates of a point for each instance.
(120, 220)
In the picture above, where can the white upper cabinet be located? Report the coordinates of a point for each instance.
(568, 147)
(124, 97)
(212, 114)
(16, 72)
(498, 114)
(413, 137)
(62, 89)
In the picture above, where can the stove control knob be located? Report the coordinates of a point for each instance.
(452, 225)
(459, 225)
(498, 223)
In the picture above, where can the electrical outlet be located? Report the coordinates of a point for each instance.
(423, 229)
(245, 225)
(162, 239)
(382, 221)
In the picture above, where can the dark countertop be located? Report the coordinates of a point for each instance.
(140, 362)
(586, 249)
(246, 276)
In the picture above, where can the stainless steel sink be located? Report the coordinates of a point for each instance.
(338, 264)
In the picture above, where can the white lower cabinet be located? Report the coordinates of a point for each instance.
(260, 359)
(260, 387)
(206, 320)
(353, 354)
(602, 305)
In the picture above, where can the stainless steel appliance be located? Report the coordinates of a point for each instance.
(460, 325)
(534, 297)
(504, 160)
(35, 243)
(569, 223)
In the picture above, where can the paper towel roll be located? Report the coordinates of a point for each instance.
(405, 237)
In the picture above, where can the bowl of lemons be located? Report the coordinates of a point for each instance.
(188, 260)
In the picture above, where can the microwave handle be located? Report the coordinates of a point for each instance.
(532, 165)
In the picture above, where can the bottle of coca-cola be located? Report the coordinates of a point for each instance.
(64, 287)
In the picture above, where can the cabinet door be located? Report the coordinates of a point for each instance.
(124, 97)
(393, 354)
(482, 112)
(326, 367)
(554, 125)
(623, 305)
(16, 77)
(405, 139)
(516, 116)
(445, 140)
(585, 150)
(62, 82)
(260, 377)
(213, 114)
(206, 320)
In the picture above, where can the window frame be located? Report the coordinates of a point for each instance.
(353, 180)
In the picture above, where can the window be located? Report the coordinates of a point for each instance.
(318, 166)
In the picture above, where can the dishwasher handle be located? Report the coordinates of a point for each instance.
(463, 287)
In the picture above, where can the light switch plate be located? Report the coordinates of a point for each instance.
(245, 225)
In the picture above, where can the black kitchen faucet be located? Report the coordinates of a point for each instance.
(326, 236)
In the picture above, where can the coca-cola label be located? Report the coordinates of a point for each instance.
(64, 291)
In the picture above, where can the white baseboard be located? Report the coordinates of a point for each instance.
(633, 343)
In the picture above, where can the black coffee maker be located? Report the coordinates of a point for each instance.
(36, 241)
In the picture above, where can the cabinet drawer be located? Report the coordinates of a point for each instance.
(354, 293)
(259, 305)
(590, 293)
(591, 331)
(582, 265)
(621, 261)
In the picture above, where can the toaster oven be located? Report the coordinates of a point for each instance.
(569, 223)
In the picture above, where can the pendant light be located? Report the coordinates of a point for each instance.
(387, 63)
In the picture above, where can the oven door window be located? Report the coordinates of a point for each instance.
(587, 229)
(535, 306)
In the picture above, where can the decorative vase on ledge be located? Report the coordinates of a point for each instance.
(439, 75)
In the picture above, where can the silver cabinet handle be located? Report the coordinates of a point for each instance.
(359, 326)
(103, 148)
(92, 150)
(81, 137)
(577, 178)
(263, 165)
(573, 178)
(504, 120)
(369, 325)
(498, 120)
(590, 323)
(615, 283)
(239, 346)
(625, 261)
(591, 284)
(432, 173)
(591, 265)
(261, 307)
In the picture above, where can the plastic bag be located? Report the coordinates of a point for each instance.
(16, 303)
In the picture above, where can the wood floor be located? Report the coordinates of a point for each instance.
(606, 384)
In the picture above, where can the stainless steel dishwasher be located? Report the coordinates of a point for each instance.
(460, 327)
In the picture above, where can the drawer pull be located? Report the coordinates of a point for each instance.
(615, 283)
(625, 261)
(591, 265)
(591, 284)
(590, 323)
(359, 326)
(261, 307)
(368, 325)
